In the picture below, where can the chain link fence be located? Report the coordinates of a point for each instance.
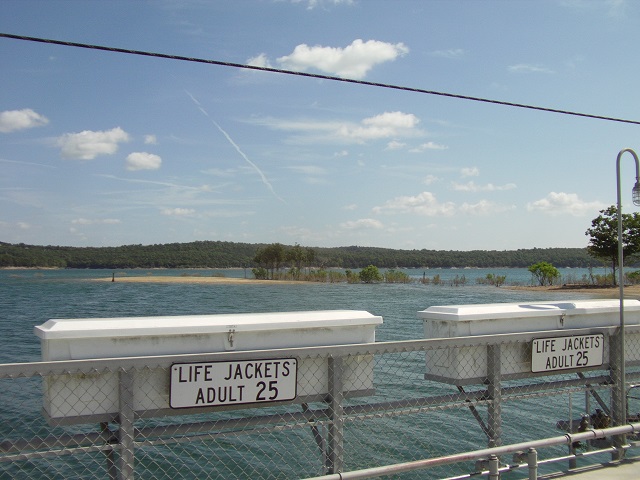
(354, 407)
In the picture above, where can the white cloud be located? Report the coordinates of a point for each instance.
(384, 125)
(470, 172)
(560, 203)
(613, 8)
(528, 68)
(143, 161)
(353, 61)
(395, 145)
(363, 223)
(150, 140)
(449, 53)
(178, 212)
(311, 4)
(261, 61)
(218, 172)
(424, 203)
(87, 145)
(428, 146)
(12, 120)
(86, 221)
(430, 179)
(308, 169)
(484, 207)
(489, 187)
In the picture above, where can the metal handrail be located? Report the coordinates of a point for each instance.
(489, 453)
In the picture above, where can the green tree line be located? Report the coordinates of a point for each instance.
(217, 254)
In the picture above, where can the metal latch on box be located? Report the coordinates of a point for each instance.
(230, 338)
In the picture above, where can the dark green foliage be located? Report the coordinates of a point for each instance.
(271, 257)
(603, 242)
(544, 273)
(260, 273)
(396, 276)
(213, 254)
(370, 274)
(492, 279)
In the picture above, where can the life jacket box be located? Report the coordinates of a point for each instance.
(468, 365)
(94, 396)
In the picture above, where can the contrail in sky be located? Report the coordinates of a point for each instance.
(253, 165)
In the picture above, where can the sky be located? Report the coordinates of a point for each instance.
(103, 148)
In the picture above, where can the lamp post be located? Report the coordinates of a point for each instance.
(621, 414)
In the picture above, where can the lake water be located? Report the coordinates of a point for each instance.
(31, 297)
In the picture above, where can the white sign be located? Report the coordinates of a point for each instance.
(233, 383)
(564, 353)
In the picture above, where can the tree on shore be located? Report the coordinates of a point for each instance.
(603, 242)
(370, 274)
(545, 273)
(270, 257)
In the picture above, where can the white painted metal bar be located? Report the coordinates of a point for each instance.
(481, 454)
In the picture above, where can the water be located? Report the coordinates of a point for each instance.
(31, 297)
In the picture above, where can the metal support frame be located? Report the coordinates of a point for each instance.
(530, 447)
(335, 440)
(618, 403)
(494, 468)
(109, 454)
(316, 432)
(126, 431)
(532, 462)
(494, 389)
(327, 424)
(620, 412)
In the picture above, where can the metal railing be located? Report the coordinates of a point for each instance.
(356, 407)
(524, 455)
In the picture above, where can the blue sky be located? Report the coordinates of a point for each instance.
(101, 148)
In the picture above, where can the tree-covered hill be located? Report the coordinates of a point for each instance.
(216, 254)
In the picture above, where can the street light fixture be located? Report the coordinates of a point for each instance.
(621, 416)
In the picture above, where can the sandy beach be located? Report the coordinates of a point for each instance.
(630, 291)
(193, 279)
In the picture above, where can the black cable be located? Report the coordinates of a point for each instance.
(314, 75)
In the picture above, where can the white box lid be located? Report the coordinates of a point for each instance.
(490, 311)
(201, 324)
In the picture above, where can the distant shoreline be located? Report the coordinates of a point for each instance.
(608, 292)
(630, 291)
(194, 279)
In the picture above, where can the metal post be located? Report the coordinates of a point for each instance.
(532, 462)
(126, 428)
(494, 374)
(620, 412)
(336, 411)
(109, 454)
(572, 446)
(615, 371)
(494, 468)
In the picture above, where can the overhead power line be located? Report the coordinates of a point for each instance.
(317, 76)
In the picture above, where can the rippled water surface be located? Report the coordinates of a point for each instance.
(31, 297)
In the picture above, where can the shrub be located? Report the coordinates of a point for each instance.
(370, 274)
(260, 273)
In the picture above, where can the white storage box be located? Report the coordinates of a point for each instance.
(88, 395)
(469, 364)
